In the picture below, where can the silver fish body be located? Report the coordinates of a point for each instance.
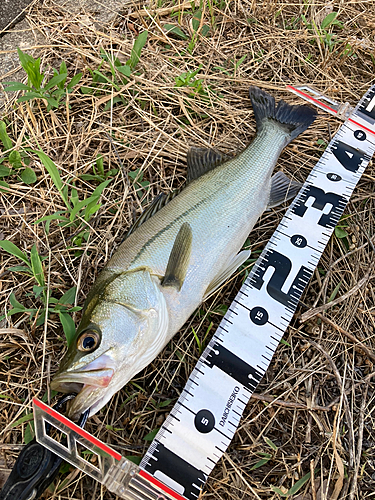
(132, 310)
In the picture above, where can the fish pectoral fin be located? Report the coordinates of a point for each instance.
(201, 161)
(233, 264)
(179, 258)
(282, 189)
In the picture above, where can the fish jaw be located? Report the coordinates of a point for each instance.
(90, 382)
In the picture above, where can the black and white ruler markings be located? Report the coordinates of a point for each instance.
(202, 423)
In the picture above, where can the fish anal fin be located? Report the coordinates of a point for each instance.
(235, 262)
(282, 189)
(201, 161)
(179, 258)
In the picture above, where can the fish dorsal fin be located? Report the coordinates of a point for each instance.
(232, 265)
(282, 189)
(157, 203)
(179, 258)
(201, 161)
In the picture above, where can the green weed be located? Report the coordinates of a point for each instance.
(33, 267)
(202, 345)
(266, 457)
(295, 488)
(78, 212)
(232, 67)
(119, 73)
(325, 35)
(18, 161)
(52, 90)
(98, 172)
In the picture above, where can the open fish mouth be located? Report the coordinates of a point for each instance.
(88, 382)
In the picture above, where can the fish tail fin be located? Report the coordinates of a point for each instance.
(292, 119)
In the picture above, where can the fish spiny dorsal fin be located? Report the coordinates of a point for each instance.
(179, 258)
(157, 203)
(202, 160)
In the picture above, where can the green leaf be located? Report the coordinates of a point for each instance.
(328, 20)
(270, 443)
(74, 81)
(11, 248)
(4, 171)
(25, 418)
(15, 303)
(15, 159)
(175, 30)
(261, 462)
(68, 326)
(52, 102)
(125, 70)
(14, 86)
(340, 233)
(69, 296)
(298, 485)
(36, 265)
(334, 293)
(37, 290)
(165, 403)
(150, 436)
(19, 269)
(3, 184)
(28, 96)
(93, 198)
(54, 173)
(29, 433)
(139, 43)
(4, 138)
(28, 176)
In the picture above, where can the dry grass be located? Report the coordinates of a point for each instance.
(316, 402)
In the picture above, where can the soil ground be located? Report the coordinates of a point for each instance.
(314, 409)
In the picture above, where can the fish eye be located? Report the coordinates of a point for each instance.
(88, 341)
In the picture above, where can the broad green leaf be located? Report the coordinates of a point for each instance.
(37, 290)
(150, 436)
(139, 43)
(125, 70)
(3, 184)
(15, 159)
(68, 326)
(4, 138)
(55, 80)
(175, 30)
(74, 81)
(261, 462)
(52, 102)
(11, 248)
(63, 68)
(328, 20)
(15, 86)
(4, 171)
(15, 303)
(69, 296)
(28, 96)
(340, 233)
(36, 265)
(28, 176)
(99, 162)
(165, 403)
(55, 216)
(25, 418)
(55, 175)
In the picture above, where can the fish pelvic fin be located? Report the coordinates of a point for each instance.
(282, 189)
(201, 161)
(293, 119)
(235, 262)
(179, 258)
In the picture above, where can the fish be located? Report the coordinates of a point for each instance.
(179, 252)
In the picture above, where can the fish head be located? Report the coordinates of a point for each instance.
(124, 326)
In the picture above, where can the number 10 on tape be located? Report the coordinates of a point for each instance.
(202, 423)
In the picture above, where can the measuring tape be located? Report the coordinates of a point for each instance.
(202, 423)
